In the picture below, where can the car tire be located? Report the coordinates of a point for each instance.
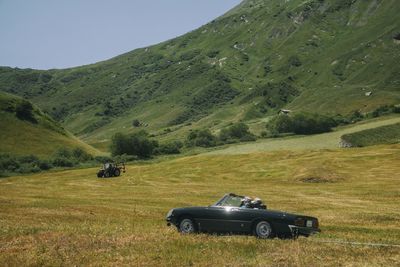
(117, 172)
(187, 226)
(263, 230)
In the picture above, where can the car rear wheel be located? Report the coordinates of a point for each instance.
(186, 226)
(263, 230)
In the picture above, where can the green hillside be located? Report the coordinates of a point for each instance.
(326, 56)
(389, 134)
(26, 130)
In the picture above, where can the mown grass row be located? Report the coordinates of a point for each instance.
(73, 218)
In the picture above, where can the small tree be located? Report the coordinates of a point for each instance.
(81, 155)
(137, 144)
(295, 61)
(24, 111)
(237, 132)
(202, 138)
(119, 144)
(136, 123)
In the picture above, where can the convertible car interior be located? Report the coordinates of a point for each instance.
(233, 200)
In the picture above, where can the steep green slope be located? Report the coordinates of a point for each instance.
(322, 55)
(37, 134)
(389, 134)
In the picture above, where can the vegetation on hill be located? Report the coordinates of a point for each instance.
(389, 134)
(301, 123)
(26, 130)
(323, 56)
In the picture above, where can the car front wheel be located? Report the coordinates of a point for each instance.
(263, 230)
(186, 226)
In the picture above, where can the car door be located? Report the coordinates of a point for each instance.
(223, 219)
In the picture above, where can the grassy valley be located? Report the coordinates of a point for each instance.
(333, 66)
(321, 56)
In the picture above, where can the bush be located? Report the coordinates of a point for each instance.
(170, 148)
(81, 155)
(136, 123)
(63, 162)
(63, 152)
(24, 111)
(8, 163)
(28, 159)
(44, 165)
(301, 123)
(201, 138)
(137, 144)
(124, 158)
(236, 132)
(295, 61)
(28, 168)
(102, 159)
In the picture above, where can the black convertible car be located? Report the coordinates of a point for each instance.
(239, 214)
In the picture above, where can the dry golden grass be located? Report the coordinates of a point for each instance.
(73, 218)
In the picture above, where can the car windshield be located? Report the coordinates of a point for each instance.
(230, 201)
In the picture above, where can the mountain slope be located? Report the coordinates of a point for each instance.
(32, 132)
(320, 55)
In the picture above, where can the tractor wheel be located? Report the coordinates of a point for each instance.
(99, 174)
(117, 172)
(106, 175)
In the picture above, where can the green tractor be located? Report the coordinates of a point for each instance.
(111, 170)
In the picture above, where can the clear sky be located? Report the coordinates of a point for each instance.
(44, 34)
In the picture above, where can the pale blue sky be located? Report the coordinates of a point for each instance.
(45, 34)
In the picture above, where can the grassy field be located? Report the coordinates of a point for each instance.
(319, 141)
(389, 134)
(72, 218)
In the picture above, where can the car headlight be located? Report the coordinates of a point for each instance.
(169, 214)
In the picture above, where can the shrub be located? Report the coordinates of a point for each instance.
(295, 61)
(124, 158)
(63, 162)
(45, 165)
(236, 132)
(24, 111)
(102, 159)
(63, 152)
(201, 138)
(301, 123)
(119, 144)
(356, 116)
(81, 155)
(137, 144)
(8, 163)
(28, 159)
(136, 123)
(28, 168)
(170, 148)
